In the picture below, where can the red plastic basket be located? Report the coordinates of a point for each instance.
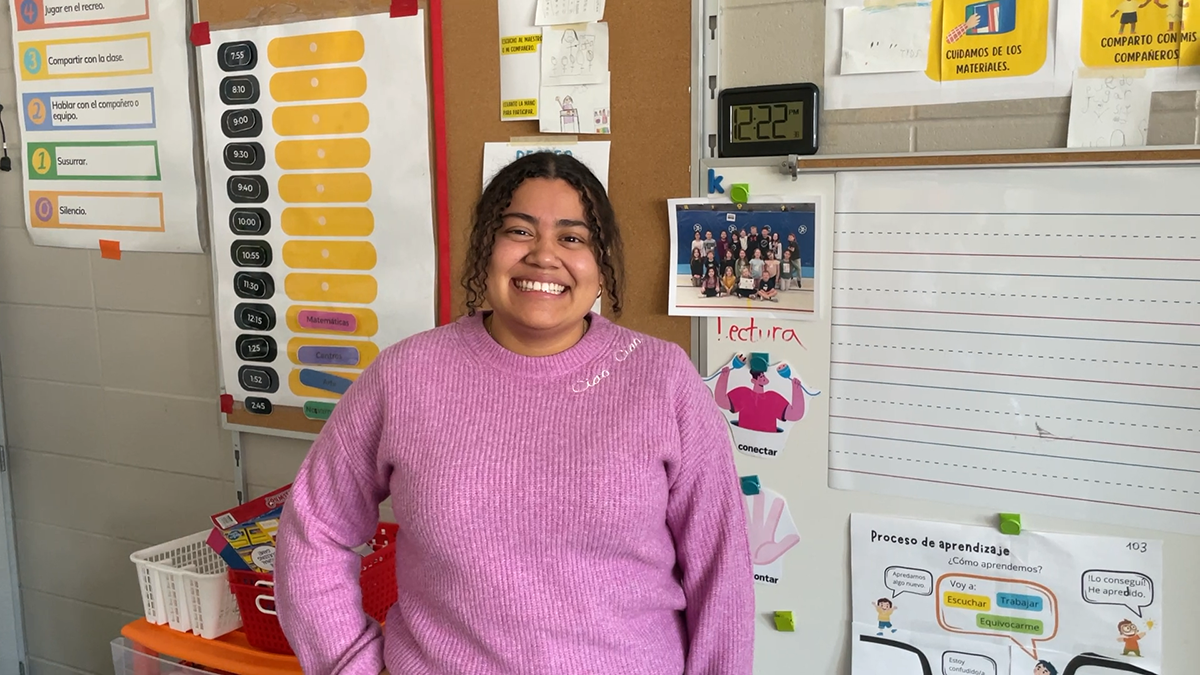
(256, 594)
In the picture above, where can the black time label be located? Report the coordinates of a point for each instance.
(258, 406)
(249, 316)
(235, 56)
(241, 123)
(253, 285)
(256, 348)
(258, 378)
(239, 90)
(244, 156)
(247, 189)
(251, 253)
(250, 221)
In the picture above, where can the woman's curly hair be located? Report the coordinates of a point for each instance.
(601, 221)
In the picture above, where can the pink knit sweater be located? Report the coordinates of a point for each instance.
(569, 514)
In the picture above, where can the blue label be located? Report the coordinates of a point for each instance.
(332, 356)
(1029, 603)
(70, 110)
(324, 381)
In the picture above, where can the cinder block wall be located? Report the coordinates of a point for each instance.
(773, 42)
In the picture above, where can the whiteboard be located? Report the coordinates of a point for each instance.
(816, 585)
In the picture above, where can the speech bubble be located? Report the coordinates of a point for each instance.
(1132, 590)
(962, 663)
(1023, 611)
(901, 580)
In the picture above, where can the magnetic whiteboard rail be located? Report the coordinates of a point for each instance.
(973, 159)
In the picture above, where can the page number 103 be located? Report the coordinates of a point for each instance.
(1139, 546)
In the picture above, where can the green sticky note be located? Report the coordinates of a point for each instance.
(784, 622)
(318, 410)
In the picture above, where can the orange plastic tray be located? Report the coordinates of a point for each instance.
(230, 653)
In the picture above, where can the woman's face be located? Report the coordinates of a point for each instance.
(543, 275)
(696, 253)
(742, 254)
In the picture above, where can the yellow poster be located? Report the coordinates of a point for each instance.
(1134, 33)
(980, 39)
(1188, 14)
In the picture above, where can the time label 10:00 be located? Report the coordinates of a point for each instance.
(768, 122)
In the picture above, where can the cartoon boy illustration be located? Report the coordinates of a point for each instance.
(1045, 668)
(756, 408)
(1130, 636)
(1128, 9)
(884, 608)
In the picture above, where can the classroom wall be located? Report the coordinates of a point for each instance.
(771, 42)
(109, 375)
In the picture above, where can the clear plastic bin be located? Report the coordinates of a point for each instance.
(128, 660)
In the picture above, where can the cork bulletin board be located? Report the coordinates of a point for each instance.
(651, 142)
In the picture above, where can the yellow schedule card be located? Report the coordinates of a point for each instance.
(1136, 34)
(981, 39)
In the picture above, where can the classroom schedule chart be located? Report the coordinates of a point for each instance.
(1023, 339)
(318, 148)
(106, 121)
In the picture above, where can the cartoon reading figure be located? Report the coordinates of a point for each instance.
(884, 608)
(756, 408)
(1130, 636)
(1045, 668)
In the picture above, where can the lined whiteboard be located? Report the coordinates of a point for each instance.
(1025, 332)
(816, 581)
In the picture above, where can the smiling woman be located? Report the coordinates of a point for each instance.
(564, 487)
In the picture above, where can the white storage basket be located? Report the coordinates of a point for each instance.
(184, 585)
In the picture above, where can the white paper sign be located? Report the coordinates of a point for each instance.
(958, 593)
(520, 63)
(557, 12)
(575, 55)
(761, 401)
(885, 39)
(575, 109)
(325, 252)
(1109, 110)
(106, 118)
(594, 154)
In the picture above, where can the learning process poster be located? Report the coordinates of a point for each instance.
(969, 600)
(107, 122)
(317, 136)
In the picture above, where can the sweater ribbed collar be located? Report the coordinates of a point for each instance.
(596, 342)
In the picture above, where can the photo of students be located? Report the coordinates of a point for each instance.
(740, 264)
(785, 270)
(761, 257)
(728, 281)
(756, 265)
(745, 287)
(709, 284)
(726, 260)
(697, 265)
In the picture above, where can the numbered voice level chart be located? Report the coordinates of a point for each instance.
(65, 90)
(296, 192)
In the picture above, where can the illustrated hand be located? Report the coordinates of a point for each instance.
(764, 550)
(973, 21)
